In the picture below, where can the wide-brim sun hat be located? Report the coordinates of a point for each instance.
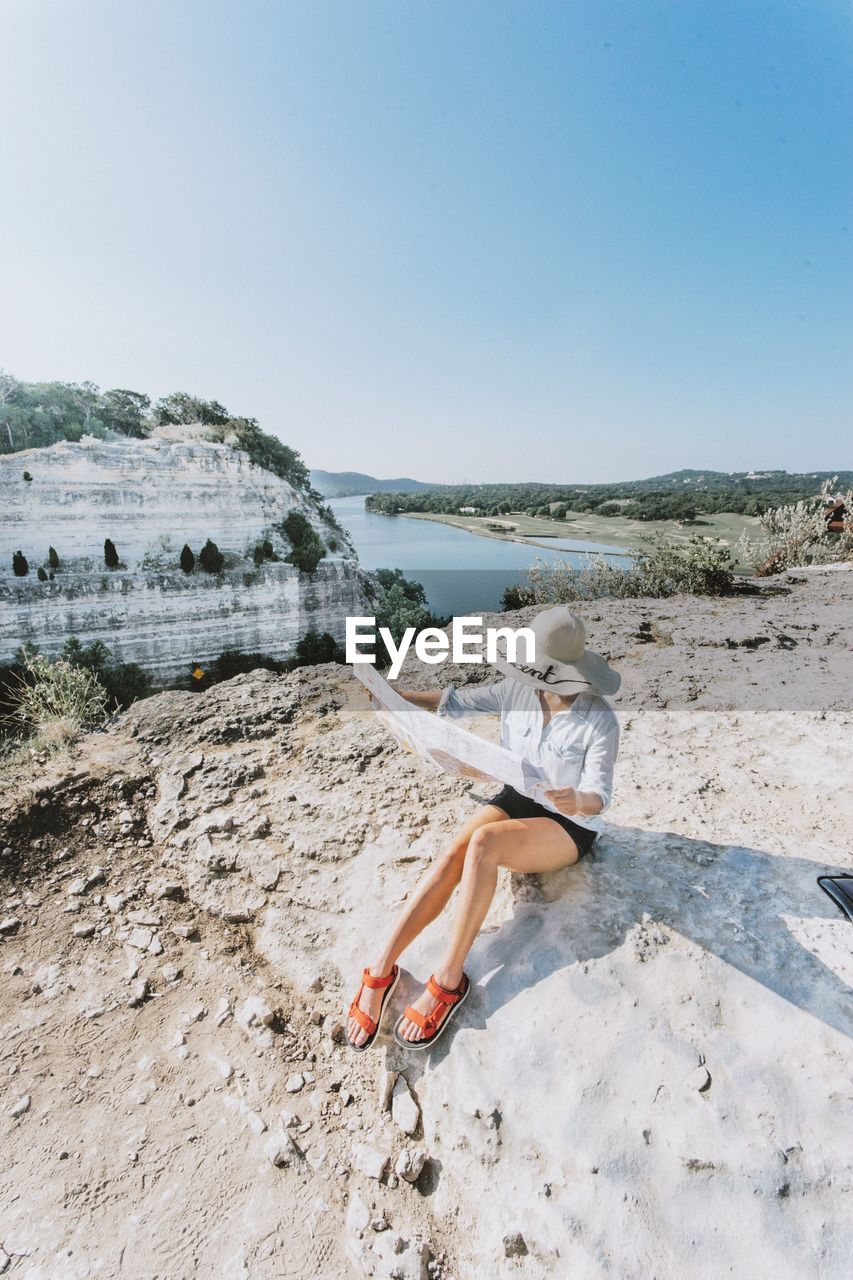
(562, 662)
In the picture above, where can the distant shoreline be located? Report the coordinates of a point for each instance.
(459, 523)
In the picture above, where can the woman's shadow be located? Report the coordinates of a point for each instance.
(731, 900)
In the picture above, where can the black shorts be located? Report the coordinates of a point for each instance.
(515, 805)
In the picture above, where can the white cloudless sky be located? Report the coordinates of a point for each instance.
(590, 240)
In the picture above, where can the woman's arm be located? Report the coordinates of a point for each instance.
(428, 700)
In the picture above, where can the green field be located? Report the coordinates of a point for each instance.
(584, 527)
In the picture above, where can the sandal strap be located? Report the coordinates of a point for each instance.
(447, 997)
(363, 1019)
(369, 980)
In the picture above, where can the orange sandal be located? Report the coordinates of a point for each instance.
(363, 1019)
(432, 1023)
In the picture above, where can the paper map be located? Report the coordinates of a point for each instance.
(453, 749)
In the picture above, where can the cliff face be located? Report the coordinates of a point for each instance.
(150, 497)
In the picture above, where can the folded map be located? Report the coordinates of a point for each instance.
(453, 749)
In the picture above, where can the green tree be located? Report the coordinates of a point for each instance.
(111, 559)
(20, 565)
(187, 558)
(307, 549)
(211, 558)
(52, 558)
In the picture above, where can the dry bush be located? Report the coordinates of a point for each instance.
(700, 566)
(796, 535)
(56, 701)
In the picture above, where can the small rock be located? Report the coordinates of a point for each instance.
(140, 938)
(410, 1162)
(224, 1010)
(256, 1123)
(288, 1118)
(387, 1080)
(149, 918)
(224, 1068)
(10, 925)
(699, 1079)
(404, 1110)
(115, 902)
(279, 1149)
(76, 887)
(185, 931)
(83, 930)
(316, 1016)
(138, 993)
(255, 1012)
(159, 889)
(294, 1083)
(515, 1245)
(358, 1215)
(194, 1014)
(155, 946)
(21, 1107)
(369, 1160)
(379, 1224)
(170, 972)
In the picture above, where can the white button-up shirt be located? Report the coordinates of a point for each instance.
(576, 748)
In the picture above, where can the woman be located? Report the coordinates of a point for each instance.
(553, 713)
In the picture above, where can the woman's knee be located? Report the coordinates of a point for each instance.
(485, 846)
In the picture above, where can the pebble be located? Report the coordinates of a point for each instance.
(387, 1080)
(76, 887)
(256, 1123)
(294, 1083)
(171, 973)
(144, 917)
(404, 1109)
(185, 931)
(95, 1071)
(255, 1012)
(369, 1160)
(279, 1149)
(699, 1079)
(138, 993)
(10, 925)
(224, 1010)
(155, 946)
(358, 1215)
(115, 902)
(140, 938)
(83, 930)
(410, 1162)
(21, 1107)
(194, 1014)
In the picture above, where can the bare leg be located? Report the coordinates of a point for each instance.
(526, 845)
(427, 900)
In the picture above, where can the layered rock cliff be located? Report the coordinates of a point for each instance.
(150, 497)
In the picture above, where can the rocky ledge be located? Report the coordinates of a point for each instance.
(647, 1075)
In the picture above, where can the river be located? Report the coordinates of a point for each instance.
(461, 572)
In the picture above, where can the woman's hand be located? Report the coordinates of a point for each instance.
(569, 801)
(566, 799)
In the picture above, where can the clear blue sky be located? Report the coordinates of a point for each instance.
(458, 240)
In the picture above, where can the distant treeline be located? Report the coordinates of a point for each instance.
(683, 495)
(37, 414)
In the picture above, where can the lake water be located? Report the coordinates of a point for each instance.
(461, 572)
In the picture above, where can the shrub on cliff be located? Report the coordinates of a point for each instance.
(52, 558)
(258, 554)
(20, 565)
(187, 559)
(403, 604)
(317, 647)
(111, 559)
(307, 549)
(41, 574)
(211, 558)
